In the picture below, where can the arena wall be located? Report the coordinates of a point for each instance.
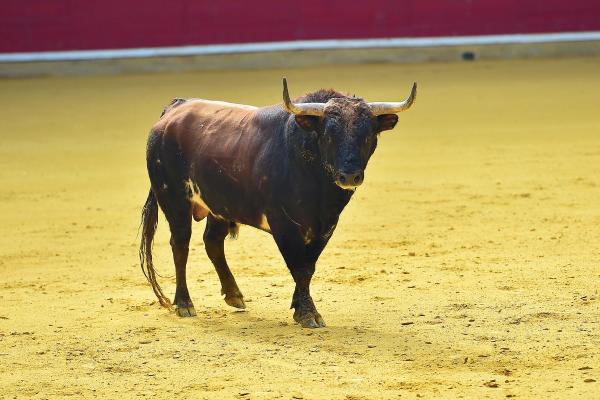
(64, 37)
(59, 25)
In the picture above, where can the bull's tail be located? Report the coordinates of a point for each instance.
(148, 225)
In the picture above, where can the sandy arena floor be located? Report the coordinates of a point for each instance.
(466, 266)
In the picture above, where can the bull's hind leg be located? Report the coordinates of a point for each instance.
(214, 238)
(178, 212)
(168, 173)
(181, 231)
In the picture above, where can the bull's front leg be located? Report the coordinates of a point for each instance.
(300, 256)
(305, 312)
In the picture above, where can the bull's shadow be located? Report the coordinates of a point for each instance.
(344, 340)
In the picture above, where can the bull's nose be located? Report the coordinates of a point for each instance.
(350, 180)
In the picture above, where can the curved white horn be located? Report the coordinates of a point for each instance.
(316, 109)
(393, 108)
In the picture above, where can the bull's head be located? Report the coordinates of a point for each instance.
(347, 129)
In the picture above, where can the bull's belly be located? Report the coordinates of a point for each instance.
(227, 210)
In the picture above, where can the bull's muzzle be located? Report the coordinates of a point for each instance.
(350, 180)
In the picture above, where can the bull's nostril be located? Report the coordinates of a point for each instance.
(342, 178)
(356, 178)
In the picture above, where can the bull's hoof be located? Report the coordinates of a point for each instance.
(310, 320)
(235, 301)
(186, 311)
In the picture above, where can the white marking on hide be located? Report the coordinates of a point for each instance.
(264, 224)
(308, 236)
(196, 195)
(328, 234)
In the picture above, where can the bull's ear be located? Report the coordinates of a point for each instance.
(309, 123)
(387, 121)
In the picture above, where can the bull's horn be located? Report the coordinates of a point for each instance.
(301, 108)
(393, 108)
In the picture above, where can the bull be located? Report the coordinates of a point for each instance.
(288, 170)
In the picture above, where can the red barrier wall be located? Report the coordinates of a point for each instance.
(46, 25)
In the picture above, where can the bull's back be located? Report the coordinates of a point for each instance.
(204, 129)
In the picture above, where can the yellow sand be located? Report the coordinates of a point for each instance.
(466, 266)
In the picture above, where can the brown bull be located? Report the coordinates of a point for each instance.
(288, 170)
